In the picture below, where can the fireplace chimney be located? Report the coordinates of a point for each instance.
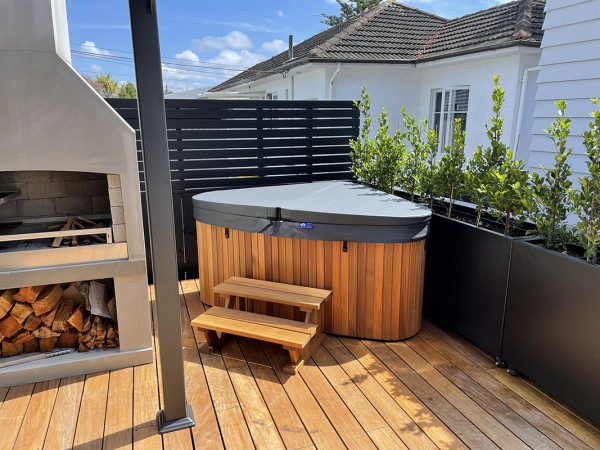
(291, 47)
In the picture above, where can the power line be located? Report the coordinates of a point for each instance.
(201, 64)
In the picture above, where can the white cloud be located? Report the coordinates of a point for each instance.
(95, 68)
(280, 13)
(332, 2)
(90, 47)
(236, 40)
(242, 58)
(274, 46)
(188, 56)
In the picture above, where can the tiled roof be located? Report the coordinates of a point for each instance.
(396, 33)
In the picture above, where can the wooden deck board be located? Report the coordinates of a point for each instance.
(434, 390)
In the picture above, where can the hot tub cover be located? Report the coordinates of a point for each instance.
(329, 210)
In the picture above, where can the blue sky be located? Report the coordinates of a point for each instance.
(205, 42)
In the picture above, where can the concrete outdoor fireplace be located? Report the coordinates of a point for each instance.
(67, 164)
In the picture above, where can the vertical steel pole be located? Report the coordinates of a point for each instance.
(176, 414)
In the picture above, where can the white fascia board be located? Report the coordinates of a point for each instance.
(473, 57)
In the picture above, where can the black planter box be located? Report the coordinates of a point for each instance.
(552, 326)
(466, 275)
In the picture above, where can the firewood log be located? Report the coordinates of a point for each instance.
(9, 326)
(48, 344)
(87, 324)
(65, 310)
(68, 340)
(45, 333)
(21, 311)
(76, 319)
(82, 348)
(6, 301)
(31, 346)
(47, 299)
(21, 337)
(29, 294)
(48, 318)
(10, 349)
(32, 323)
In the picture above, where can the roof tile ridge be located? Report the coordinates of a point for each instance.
(320, 50)
(523, 22)
(445, 19)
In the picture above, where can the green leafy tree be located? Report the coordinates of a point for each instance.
(586, 199)
(375, 161)
(108, 86)
(546, 196)
(127, 90)
(486, 159)
(348, 9)
(429, 185)
(410, 175)
(503, 190)
(450, 170)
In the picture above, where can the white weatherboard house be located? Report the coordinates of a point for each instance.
(437, 68)
(569, 70)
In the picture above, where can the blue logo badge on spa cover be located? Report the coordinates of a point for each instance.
(306, 225)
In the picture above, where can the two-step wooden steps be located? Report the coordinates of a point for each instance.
(300, 339)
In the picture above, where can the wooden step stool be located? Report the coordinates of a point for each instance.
(300, 339)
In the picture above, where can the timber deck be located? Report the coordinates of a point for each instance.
(433, 390)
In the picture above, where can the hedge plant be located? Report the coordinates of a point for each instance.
(586, 199)
(546, 196)
(450, 170)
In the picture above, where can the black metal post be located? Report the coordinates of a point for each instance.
(176, 414)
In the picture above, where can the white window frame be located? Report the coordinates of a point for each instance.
(272, 96)
(446, 117)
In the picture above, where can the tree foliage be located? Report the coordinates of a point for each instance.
(411, 171)
(485, 160)
(348, 9)
(545, 196)
(450, 170)
(586, 199)
(107, 87)
(376, 161)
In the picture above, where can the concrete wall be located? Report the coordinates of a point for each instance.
(570, 71)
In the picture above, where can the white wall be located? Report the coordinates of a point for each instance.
(477, 73)
(394, 86)
(570, 71)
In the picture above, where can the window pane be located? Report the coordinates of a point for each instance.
(438, 102)
(447, 99)
(461, 100)
(463, 120)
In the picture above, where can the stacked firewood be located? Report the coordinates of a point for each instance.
(76, 223)
(40, 318)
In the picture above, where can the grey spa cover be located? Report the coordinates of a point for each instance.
(328, 210)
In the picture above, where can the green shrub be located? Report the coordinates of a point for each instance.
(411, 171)
(546, 196)
(376, 161)
(479, 168)
(450, 170)
(586, 199)
(429, 186)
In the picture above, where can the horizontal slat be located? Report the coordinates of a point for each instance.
(261, 319)
(249, 162)
(254, 143)
(247, 113)
(269, 295)
(216, 123)
(256, 171)
(258, 181)
(255, 133)
(282, 287)
(256, 152)
(252, 330)
(252, 104)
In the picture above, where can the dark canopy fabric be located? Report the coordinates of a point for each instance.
(330, 211)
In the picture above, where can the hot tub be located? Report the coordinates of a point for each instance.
(368, 247)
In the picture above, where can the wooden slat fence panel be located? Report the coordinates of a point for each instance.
(220, 144)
